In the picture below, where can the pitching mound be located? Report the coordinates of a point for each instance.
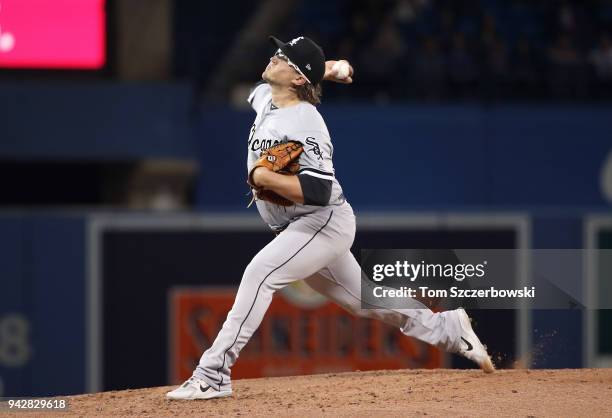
(586, 392)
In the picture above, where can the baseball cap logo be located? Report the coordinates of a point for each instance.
(295, 41)
(308, 67)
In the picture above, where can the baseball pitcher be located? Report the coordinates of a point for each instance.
(291, 173)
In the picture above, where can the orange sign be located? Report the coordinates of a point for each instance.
(293, 339)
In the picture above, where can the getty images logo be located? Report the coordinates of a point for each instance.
(7, 40)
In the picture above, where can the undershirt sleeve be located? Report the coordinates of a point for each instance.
(316, 191)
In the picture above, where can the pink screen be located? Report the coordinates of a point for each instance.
(66, 34)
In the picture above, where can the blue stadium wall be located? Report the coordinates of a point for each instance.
(387, 157)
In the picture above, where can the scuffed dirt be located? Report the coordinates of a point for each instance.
(526, 393)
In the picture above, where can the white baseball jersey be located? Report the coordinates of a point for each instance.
(302, 123)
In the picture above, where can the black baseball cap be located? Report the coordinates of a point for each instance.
(304, 54)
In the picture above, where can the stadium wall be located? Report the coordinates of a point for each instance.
(461, 155)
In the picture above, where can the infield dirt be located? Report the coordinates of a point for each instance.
(524, 393)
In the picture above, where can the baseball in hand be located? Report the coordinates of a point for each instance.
(341, 69)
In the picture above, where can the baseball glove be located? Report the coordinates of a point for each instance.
(282, 159)
(272, 197)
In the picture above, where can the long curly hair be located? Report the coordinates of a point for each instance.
(309, 93)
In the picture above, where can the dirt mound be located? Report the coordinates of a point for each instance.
(586, 392)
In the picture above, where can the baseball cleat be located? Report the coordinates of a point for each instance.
(470, 346)
(195, 388)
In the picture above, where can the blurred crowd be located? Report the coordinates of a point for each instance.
(467, 49)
